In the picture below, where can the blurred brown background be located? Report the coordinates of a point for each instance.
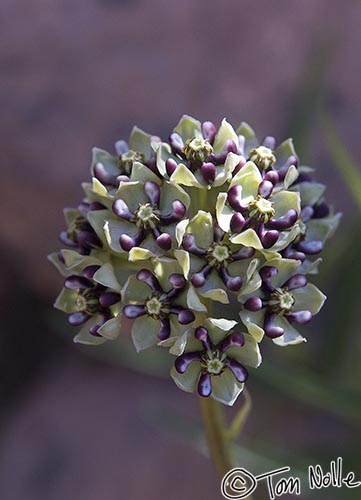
(80, 73)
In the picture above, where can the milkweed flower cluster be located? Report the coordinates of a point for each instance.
(168, 230)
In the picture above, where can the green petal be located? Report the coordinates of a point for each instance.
(183, 259)
(188, 380)
(223, 212)
(225, 132)
(249, 177)
(286, 269)
(54, 259)
(142, 173)
(284, 201)
(144, 332)
(135, 291)
(290, 337)
(140, 141)
(100, 190)
(188, 128)
(106, 276)
(201, 226)
(250, 137)
(285, 238)
(322, 229)
(186, 341)
(113, 229)
(308, 298)
(163, 153)
(84, 337)
(180, 230)
(97, 220)
(133, 194)
(225, 172)
(214, 289)
(182, 175)
(66, 301)
(310, 192)
(283, 152)
(252, 321)
(225, 388)
(249, 354)
(138, 253)
(110, 162)
(248, 238)
(169, 193)
(291, 176)
(193, 301)
(76, 262)
(111, 329)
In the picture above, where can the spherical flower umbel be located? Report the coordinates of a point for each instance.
(205, 242)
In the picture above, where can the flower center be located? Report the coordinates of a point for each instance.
(77, 225)
(197, 149)
(220, 252)
(214, 362)
(127, 159)
(146, 215)
(263, 157)
(87, 301)
(281, 302)
(261, 209)
(153, 307)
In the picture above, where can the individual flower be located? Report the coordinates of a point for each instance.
(285, 298)
(197, 155)
(258, 214)
(146, 215)
(214, 359)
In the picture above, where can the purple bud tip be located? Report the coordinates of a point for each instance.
(121, 147)
(185, 317)
(126, 242)
(238, 370)
(122, 178)
(179, 209)
(267, 272)
(307, 213)
(269, 142)
(152, 190)
(201, 334)
(108, 299)
(271, 176)
(177, 280)
(235, 339)
(170, 166)
(76, 282)
(240, 165)
(300, 317)
(121, 209)
(176, 143)
(198, 280)
(297, 281)
(209, 131)
(208, 171)
(253, 304)
(148, 277)
(234, 197)
(287, 220)
(265, 188)
(269, 238)
(164, 241)
(237, 222)
(132, 311)
(78, 318)
(232, 283)
(104, 176)
(189, 244)
(310, 247)
(183, 361)
(164, 331)
(93, 207)
(88, 239)
(271, 330)
(322, 210)
(89, 271)
(205, 385)
(243, 253)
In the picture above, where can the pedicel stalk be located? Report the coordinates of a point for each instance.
(167, 229)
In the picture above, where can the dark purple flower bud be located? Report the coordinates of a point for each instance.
(176, 143)
(183, 361)
(300, 317)
(178, 281)
(234, 198)
(307, 213)
(76, 282)
(122, 178)
(232, 283)
(164, 241)
(185, 317)
(322, 210)
(310, 247)
(285, 221)
(132, 311)
(243, 253)
(108, 299)
(240, 165)
(265, 188)
(290, 253)
(121, 209)
(297, 281)
(152, 190)
(128, 242)
(205, 385)
(209, 131)
(164, 331)
(89, 271)
(199, 279)
(78, 318)
(170, 166)
(177, 213)
(237, 369)
(271, 330)
(104, 176)
(88, 239)
(291, 160)
(93, 207)
(267, 272)
(271, 176)
(148, 277)
(189, 244)
(230, 147)
(269, 142)
(121, 147)
(269, 238)
(253, 304)
(93, 330)
(235, 339)
(208, 171)
(237, 222)
(201, 334)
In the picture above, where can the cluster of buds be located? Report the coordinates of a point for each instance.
(167, 230)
